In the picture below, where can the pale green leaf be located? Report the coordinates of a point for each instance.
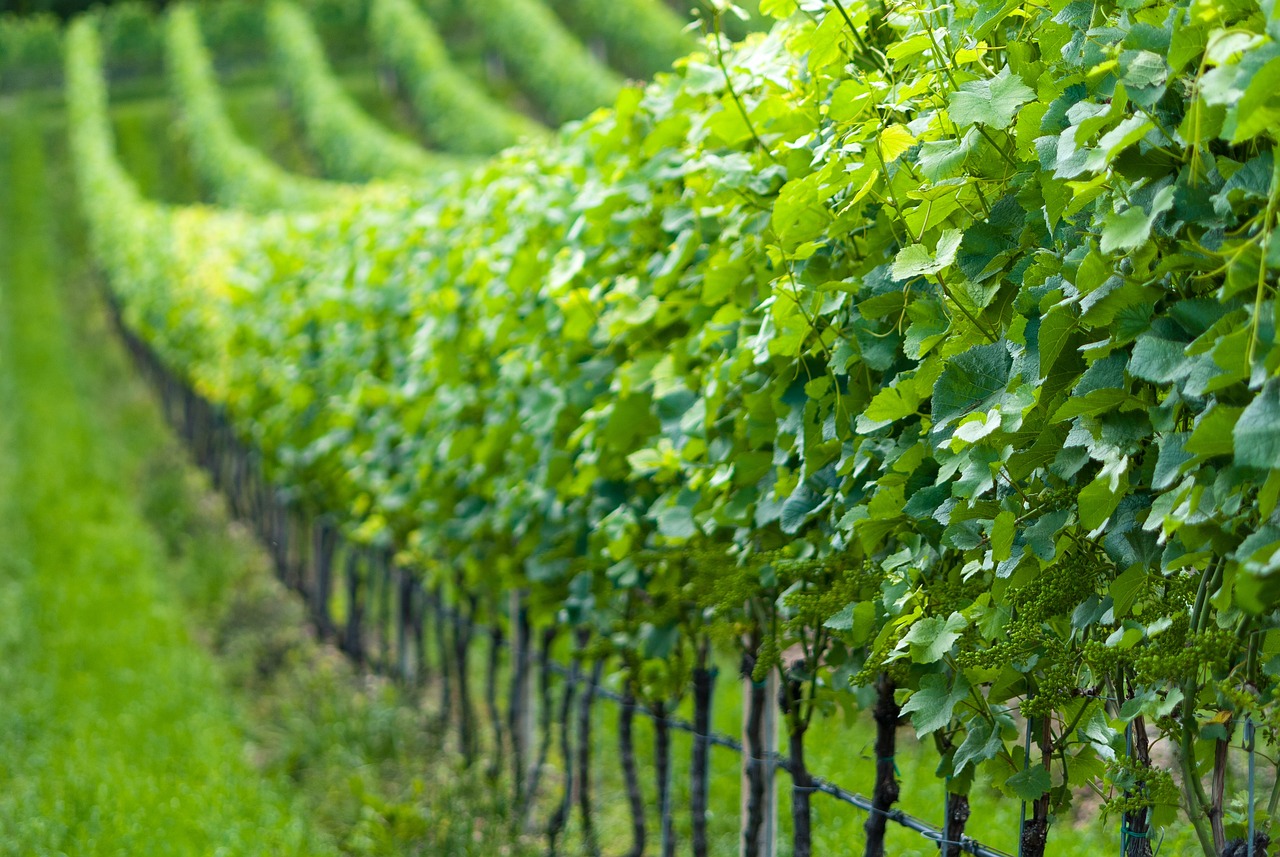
(992, 102)
(1002, 533)
(930, 639)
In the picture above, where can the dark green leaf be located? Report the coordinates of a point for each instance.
(972, 381)
(1257, 432)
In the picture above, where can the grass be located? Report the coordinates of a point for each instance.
(149, 147)
(160, 693)
(115, 733)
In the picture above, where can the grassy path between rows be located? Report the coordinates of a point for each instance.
(117, 734)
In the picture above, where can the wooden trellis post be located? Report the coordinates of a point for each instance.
(522, 698)
(763, 840)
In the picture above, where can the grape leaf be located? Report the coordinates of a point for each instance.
(915, 260)
(930, 639)
(931, 706)
(1159, 360)
(971, 381)
(993, 102)
(1257, 432)
(981, 743)
(1031, 783)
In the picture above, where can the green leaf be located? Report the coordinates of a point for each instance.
(1131, 229)
(1115, 141)
(1257, 432)
(1055, 331)
(799, 214)
(1258, 112)
(1159, 360)
(779, 9)
(989, 14)
(1128, 230)
(971, 381)
(1099, 499)
(930, 639)
(1031, 783)
(1259, 554)
(1002, 533)
(931, 706)
(893, 141)
(993, 102)
(842, 621)
(915, 260)
(942, 159)
(1125, 589)
(1095, 402)
(806, 501)
(1144, 74)
(1214, 432)
(676, 522)
(981, 743)
(889, 405)
(1173, 454)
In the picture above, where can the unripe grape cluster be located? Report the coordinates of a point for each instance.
(875, 662)
(1172, 657)
(1055, 499)
(1056, 592)
(768, 656)
(1059, 589)
(1141, 787)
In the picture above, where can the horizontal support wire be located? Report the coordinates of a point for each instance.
(165, 381)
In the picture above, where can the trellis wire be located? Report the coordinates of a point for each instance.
(235, 470)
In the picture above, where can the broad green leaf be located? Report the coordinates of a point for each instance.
(890, 404)
(803, 504)
(842, 621)
(1257, 432)
(1125, 590)
(1173, 454)
(893, 141)
(972, 381)
(1099, 499)
(1258, 112)
(1030, 783)
(1055, 331)
(992, 102)
(932, 705)
(799, 214)
(930, 639)
(1119, 138)
(981, 742)
(1214, 432)
(942, 159)
(1144, 74)
(780, 9)
(916, 261)
(1002, 533)
(1131, 228)
(1159, 360)
(1260, 552)
(676, 522)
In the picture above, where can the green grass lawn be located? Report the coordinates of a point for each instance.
(116, 733)
(159, 693)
